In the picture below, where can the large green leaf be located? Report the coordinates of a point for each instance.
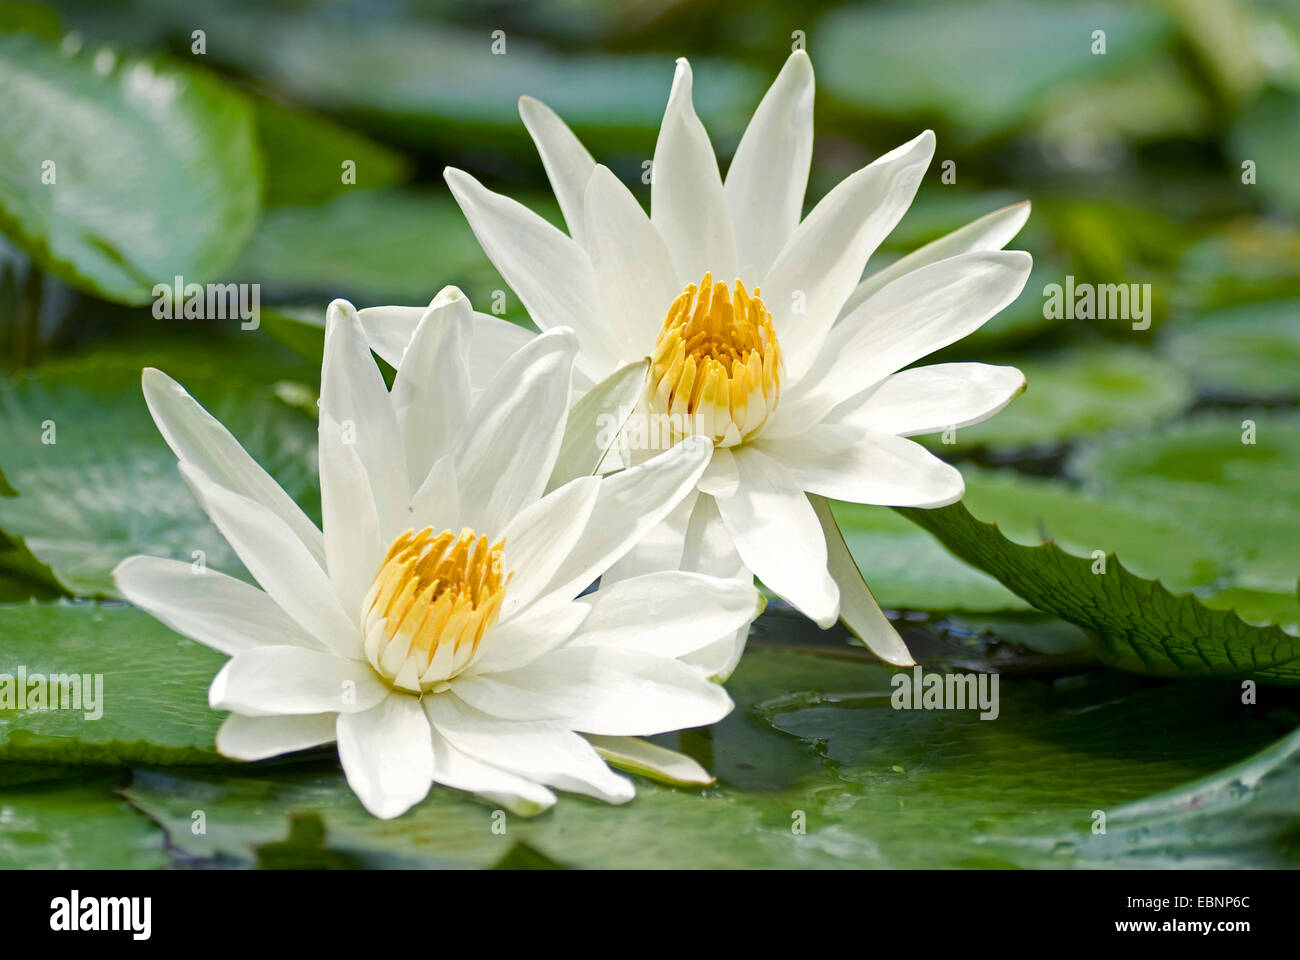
(1137, 623)
(1250, 350)
(156, 172)
(813, 741)
(82, 825)
(984, 68)
(107, 486)
(152, 701)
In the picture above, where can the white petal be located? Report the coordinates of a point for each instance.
(858, 608)
(389, 330)
(849, 463)
(687, 204)
(258, 738)
(431, 392)
(629, 505)
(218, 611)
(437, 501)
(267, 681)
(567, 162)
(197, 437)
(933, 398)
(546, 752)
(524, 638)
(778, 536)
(387, 754)
(512, 435)
(914, 316)
(458, 770)
(769, 172)
(595, 422)
(659, 549)
(634, 273)
(549, 271)
(651, 760)
(709, 548)
(354, 546)
(541, 536)
(820, 265)
(278, 561)
(353, 395)
(622, 692)
(670, 613)
(993, 231)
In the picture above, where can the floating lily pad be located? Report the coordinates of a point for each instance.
(171, 147)
(97, 483)
(1251, 351)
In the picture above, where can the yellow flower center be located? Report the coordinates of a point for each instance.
(435, 597)
(716, 367)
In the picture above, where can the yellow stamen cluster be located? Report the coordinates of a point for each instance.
(716, 367)
(434, 598)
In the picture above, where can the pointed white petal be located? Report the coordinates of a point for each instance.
(820, 265)
(437, 501)
(629, 505)
(354, 546)
(595, 422)
(659, 549)
(710, 549)
(634, 273)
(912, 317)
(526, 637)
(197, 437)
(687, 203)
(769, 172)
(622, 692)
(353, 395)
(258, 738)
(431, 392)
(540, 536)
(512, 435)
(931, 399)
(567, 162)
(455, 769)
(549, 271)
(267, 681)
(651, 760)
(218, 611)
(387, 754)
(778, 536)
(279, 561)
(993, 231)
(849, 463)
(543, 751)
(858, 608)
(389, 330)
(670, 613)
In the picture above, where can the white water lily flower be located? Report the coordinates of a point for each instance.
(434, 629)
(762, 335)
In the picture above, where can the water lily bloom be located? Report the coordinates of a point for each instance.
(433, 627)
(762, 335)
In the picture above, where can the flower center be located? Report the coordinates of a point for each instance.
(716, 367)
(435, 597)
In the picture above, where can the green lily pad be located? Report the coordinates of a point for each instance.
(1268, 133)
(306, 157)
(171, 186)
(1251, 351)
(985, 69)
(80, 825)
(1080, 392)
(1138, 625)
(372, 247)
(907, 568)
(140, 697)
(814, 770)
(96, 481)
